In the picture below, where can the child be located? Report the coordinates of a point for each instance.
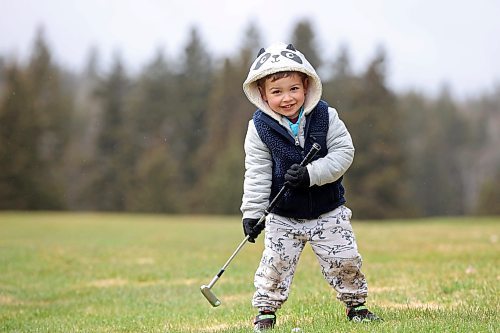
(289, 120)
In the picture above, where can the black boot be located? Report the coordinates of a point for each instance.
(264, 321)
(361, 314)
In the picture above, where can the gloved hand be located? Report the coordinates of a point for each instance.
(297, 177)
(251, 228)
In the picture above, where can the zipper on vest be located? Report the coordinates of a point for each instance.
(297, 143)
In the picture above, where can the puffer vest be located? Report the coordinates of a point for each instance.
(306, 203)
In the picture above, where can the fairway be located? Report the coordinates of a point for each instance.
(67, 272)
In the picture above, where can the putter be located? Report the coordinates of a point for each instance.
(206, 290)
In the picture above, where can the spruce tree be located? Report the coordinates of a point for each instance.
(156, 172)
(303, 39)
(113, 162)
(378, 173)
(189, 120)
(21, 186)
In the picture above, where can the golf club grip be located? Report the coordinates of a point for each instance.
(316, 147)
(308, 158)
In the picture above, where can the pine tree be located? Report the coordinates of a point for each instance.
(113, 163)
(249, 48)
(221, 155)
(156, 172)
(489, 196)
(228, 114)
(440, 181)
(303, 39)
(20, 185)
(190, 117)
(376, 180)
(52, 104)
(37, 106)
(340, 90)
(414, 110)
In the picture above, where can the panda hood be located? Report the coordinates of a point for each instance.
(280, 57)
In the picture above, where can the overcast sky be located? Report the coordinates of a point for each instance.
(428, 42)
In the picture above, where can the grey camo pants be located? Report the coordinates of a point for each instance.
(332, 240)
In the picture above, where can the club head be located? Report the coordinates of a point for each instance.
(210, 296)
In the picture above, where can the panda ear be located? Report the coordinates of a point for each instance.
(262, 50)
(290, 47)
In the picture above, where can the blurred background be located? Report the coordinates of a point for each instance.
(137, 106)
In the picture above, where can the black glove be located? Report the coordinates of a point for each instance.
(297, 177)
(250, 228)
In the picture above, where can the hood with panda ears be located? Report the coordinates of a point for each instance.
(280, 57)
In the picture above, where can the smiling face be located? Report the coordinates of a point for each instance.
(285, 92)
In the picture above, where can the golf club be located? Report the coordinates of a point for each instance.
(206, 290)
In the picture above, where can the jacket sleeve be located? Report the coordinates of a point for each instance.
(258, 175)
(340, 153)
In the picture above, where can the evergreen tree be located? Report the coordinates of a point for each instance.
(51, 102)
(228, 114)
(303, 39)
(342, 68)
(156, 182)
(151, 100)
(21, 185)
(339, 90)
(52, 106)
(440, 179)
(249, 48)
(223, 188)
(414, 110)
(156, 172)
(38, 105)
(190, 116)
(113, 163)
(85, 126)
(88, 113)
(489, 196)
(481, 156)
(222, 155)
(377, 177)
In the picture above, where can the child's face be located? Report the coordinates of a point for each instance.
(286, 95)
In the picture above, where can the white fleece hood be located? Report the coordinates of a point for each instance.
(275, 58)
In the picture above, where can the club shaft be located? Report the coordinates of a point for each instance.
(223, 269)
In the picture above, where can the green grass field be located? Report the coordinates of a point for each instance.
(64, 272)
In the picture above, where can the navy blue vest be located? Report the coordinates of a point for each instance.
(306, 203)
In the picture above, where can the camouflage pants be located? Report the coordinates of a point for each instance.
(332, 240)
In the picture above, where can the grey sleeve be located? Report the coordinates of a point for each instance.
(340, 153)
(258, 175)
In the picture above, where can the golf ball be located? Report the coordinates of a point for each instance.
(296, 329)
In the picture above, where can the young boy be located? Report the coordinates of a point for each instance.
(289, 120)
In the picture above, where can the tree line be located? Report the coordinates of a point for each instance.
(169, 138)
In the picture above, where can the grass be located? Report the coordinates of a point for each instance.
(66, 272)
